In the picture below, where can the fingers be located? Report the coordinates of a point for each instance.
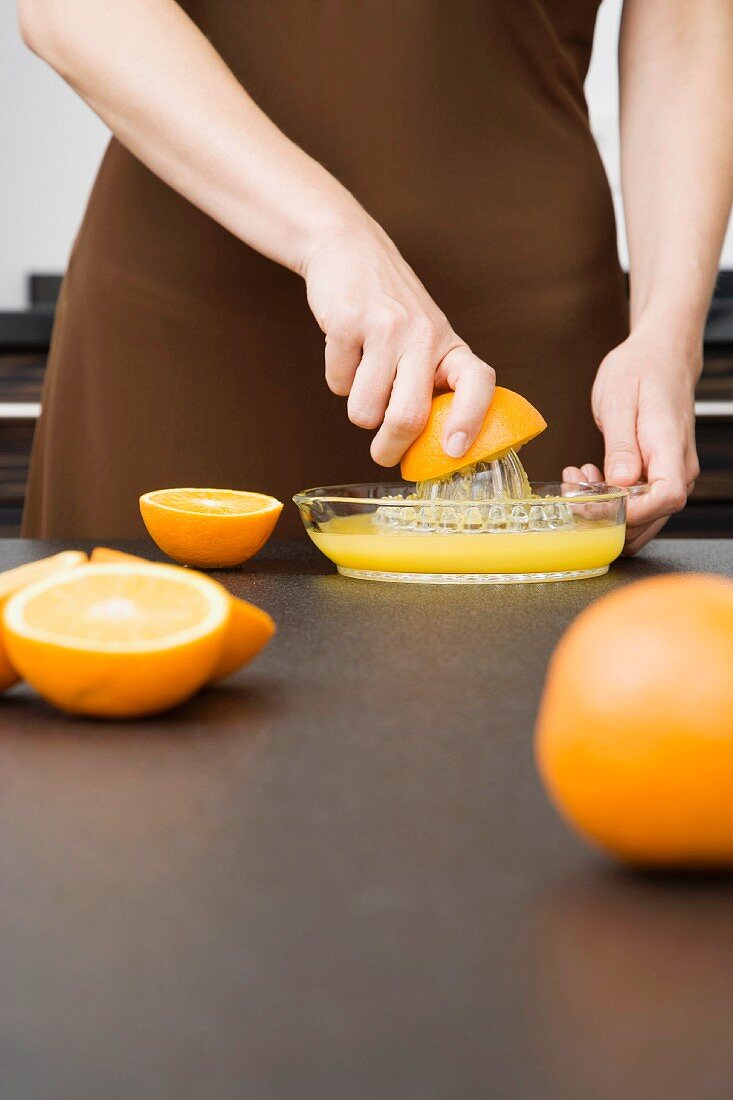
(573, 475)
(388, 344)
(667, 476)
(666, 496)
(623, 463)
(371, 388)
(665, 468)
(591, 473)
(473, 382)
(692, 464)
(407, 411)
(389, 369)
(637, 537)
(647, 517)
(643, 402)
(343, 354)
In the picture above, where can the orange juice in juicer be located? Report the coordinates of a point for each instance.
(474, 520)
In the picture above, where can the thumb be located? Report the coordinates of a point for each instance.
(623, 464)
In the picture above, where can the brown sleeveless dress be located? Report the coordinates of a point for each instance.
(182, 357)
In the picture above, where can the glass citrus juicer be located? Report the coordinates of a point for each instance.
(469, 522)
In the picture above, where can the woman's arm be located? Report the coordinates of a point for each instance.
(676, 70)
(153, 77)
(676, 109)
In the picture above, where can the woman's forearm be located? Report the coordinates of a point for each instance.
(676, 66)
(149, 72)
(163, 90)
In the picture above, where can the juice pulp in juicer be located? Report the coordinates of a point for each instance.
(482, 523)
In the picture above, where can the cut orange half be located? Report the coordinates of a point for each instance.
(12, 580)
(209, 528)
(248, 631)
(105, 555)
(509, 423)
(117, 640)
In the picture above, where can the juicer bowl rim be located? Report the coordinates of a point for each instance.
(588, 493)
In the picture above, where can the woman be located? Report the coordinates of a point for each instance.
(428, 170)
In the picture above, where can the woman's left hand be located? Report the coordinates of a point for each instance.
(643, 402)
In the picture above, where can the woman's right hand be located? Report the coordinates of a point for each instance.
(388, 345)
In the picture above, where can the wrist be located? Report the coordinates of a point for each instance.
(674, 311)
(676, 334)
(342, 222)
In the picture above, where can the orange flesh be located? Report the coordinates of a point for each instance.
(120, 609)
(13, 579)
(212, 502)
(248, 630)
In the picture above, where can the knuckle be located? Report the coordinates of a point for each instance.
(484, 370)
(490, 372)
(337, 385)
(346, 322)
(338, 380)
(693, 470)
(341, 330)
(677, 498)
(408, 421)
(379, 457)
(622, 447)
(364, 417)
(425, 332)
(387, 319)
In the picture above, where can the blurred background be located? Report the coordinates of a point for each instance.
(52, 144)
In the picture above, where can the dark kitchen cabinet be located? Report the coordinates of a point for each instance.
(21, 377)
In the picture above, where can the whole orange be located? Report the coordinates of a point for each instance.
(634, 734)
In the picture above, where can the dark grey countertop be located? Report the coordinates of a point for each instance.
(338, 877)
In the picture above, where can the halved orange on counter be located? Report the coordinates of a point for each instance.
(118, 640)
(209, 528)
(248, 631)
(105, 555)
(511, 421)
(12, 580)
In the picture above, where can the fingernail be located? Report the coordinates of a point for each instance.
(457, 445)
(621, 472)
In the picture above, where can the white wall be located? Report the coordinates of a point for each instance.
(602, 93)
(601, 89)
(51, 145)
